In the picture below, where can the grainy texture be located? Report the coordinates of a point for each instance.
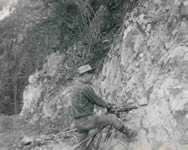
(147, 64)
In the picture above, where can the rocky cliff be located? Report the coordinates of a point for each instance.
(32, 29)
(147, 64)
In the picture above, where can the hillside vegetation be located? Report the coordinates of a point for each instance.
(82, 30)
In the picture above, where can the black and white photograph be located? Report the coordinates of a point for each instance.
(93, 74)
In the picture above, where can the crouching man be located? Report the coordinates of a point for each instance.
(83, 99)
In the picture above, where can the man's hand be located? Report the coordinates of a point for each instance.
(112, 108)
(109, 105)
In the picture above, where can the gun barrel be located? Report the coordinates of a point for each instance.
(129, 108)
(126, 109)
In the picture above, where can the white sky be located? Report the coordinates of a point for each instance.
(6, 5)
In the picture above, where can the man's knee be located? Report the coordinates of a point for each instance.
(104, 120)
(112, 117)
(109, 119)
(114, 121)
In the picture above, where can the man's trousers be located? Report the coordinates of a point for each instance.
(85, 124)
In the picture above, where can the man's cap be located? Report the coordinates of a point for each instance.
(84, 69)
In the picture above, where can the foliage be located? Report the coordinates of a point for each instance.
(38, 28)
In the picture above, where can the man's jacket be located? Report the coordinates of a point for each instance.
(83, 99)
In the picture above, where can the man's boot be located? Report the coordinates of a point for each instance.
(129, 133)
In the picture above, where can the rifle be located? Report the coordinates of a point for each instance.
(124, 108)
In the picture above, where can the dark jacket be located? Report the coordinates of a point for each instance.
(83, 99)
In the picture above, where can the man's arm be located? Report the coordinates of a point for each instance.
(93, 98)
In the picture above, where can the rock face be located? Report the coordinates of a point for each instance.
(147, 64)
(43, 98)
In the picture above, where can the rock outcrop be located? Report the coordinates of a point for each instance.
(147, 64)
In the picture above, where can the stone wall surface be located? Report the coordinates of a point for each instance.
(147, 64)
(148, 67)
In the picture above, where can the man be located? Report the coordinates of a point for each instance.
(83, 99)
